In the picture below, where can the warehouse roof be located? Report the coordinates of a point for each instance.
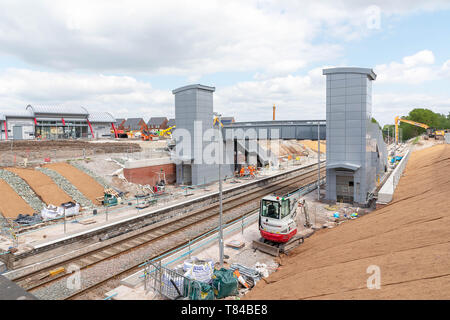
(101, 117)
(19, 114)
(58, 110)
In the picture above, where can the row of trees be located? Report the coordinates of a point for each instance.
(425, 116)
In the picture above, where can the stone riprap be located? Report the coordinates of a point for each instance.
(68, 187)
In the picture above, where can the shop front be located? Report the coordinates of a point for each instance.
(51, 129)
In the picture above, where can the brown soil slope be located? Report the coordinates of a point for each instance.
(42, 185)
(82, 181)
(11, 204)
(313, 145)
(409, 240)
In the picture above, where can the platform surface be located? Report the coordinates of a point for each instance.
(11, 291)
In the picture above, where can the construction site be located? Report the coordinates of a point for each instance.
(297, 209)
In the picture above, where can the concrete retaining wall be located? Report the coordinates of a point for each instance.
(387, 191)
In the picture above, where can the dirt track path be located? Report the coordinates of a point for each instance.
(313, 145)
(43, 186)
(83, 182)
(409, 240)
(11, 204)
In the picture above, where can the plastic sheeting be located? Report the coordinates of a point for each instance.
(53, 212)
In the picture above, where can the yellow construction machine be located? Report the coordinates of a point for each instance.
(440, 134)
(216, 120)
(167, 131)
(430, 131)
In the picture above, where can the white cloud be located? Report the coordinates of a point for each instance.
(421, 57)
(303, 97)
(387, 105)
(82, 42)
(185, 37)
(446, 66)
(415, 69)
(122, 96)
(296, 97)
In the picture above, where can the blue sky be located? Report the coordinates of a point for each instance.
(126, 59)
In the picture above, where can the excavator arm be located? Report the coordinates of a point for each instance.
(168, 130)
(414, 123)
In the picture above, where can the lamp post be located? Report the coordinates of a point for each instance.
(64, 220)
(318, 160)
(220, 195)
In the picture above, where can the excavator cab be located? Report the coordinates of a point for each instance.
(270, 209)
(277, 218)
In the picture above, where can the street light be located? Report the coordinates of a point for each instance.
(318, 160)
(220, 196)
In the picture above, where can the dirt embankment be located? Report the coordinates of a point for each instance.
(82, 181)
(11, 204)
(43, 186)
(36, 145)
(313, 145)
(293, 147)
(409, 240)
(14, 152)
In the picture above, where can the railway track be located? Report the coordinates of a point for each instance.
(156, 235)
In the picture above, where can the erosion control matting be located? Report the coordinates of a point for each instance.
(11, 204)
(82, 181)
(43, 186)
(406, 243)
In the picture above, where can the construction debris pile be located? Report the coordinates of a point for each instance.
(340, 213)
(198, 279)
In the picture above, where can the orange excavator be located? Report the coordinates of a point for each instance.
(146, 134)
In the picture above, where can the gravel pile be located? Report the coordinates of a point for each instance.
(90, 173)
(68, 187)
(22, 189)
